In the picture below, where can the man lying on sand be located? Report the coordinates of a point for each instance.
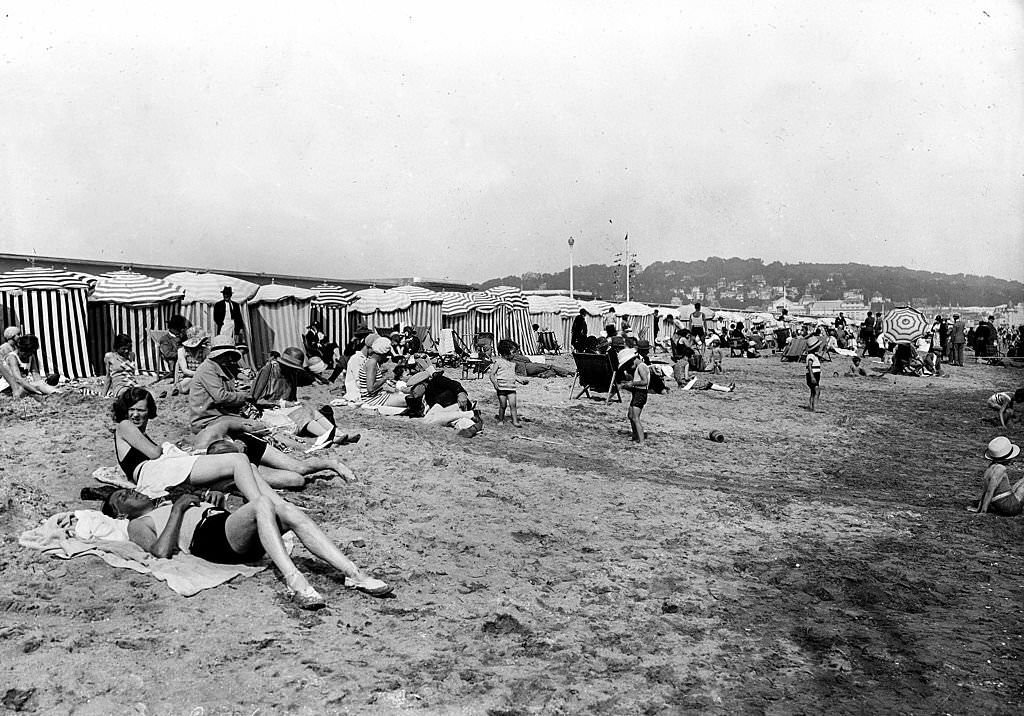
(192, 526)
(999, 497)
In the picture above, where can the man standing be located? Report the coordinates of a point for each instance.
(958, 339)
(578, 335)
(840, 323)
(697, 322)
(227, 317)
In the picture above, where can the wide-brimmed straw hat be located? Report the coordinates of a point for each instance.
(813, 343)
(194, 338)
(369, 339)
(293, 358)
(625, 355)
(223, 344)
(1002, 449)
(381, 346)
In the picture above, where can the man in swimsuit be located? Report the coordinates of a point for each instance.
(999, 496)
(638, 383)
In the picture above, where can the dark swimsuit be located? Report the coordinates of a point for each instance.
(131, 460)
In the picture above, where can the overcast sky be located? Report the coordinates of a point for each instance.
(471, 140)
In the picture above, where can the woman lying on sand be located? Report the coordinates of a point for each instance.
(999, 497)
(154, 468)
(253, 530)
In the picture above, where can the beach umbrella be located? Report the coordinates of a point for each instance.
(512, 297)
(904, 325)
(328, 295)
(374, 300)
(128, 287)
(418, 293)
(485, 301)
(454, 303)
(330, 308)
(207, 287)
(38, 278)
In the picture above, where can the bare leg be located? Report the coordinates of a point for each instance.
(220, 429)
(281, 479)
(209, 469)
(273, 457)
(635, 424)
(514, 409)
(502, 404)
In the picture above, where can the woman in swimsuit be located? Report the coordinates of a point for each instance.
(200, 529)
(999, 496)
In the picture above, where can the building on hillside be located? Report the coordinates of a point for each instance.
(576, 293)
(851, 310)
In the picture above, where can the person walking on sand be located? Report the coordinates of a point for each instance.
(638, 383)
(504, 379)
(957, 339)
(813, 371)
(999, 496)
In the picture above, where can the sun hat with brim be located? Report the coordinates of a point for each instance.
(813, 343)
(625, 355)
(223, 344)
(316, 365)
(1002, 449)
(293, 358)
(422, 377)
(381, 346)
(370, 338)
(195, 338)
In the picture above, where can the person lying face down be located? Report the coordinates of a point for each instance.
(194, 527)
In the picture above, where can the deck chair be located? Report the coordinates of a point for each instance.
(427, 341)
(594, 371)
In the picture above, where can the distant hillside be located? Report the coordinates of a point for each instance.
(660, 282)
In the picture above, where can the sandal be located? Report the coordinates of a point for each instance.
(371, 586)
(303, 594)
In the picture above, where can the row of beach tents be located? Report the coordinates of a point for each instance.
(77, 315)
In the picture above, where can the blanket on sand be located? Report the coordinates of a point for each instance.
(93, 533)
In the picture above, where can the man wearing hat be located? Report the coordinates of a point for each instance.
(227, 317)
(957, 340)
(999, 497)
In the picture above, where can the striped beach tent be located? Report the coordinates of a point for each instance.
(457, 313)
(425, 309)
(490, 315)
(640, 317)
(278, 316)
(202, 290)
(380, 309)
(597, 316)
(133, 304)
(330, 308)
(517, 321)
(51, 305)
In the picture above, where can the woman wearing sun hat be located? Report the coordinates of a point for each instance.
(376, 390)
(191, 354)
(999, 497)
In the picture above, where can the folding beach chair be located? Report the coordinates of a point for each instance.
(427, 342)
(594, 371)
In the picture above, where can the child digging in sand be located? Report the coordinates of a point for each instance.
(638, 383)
(1003, 402)
(504, 378)
(813, 370)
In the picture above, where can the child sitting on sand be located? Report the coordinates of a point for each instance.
(503, 378)
(813, 370)
(856, 369)
(999, 497)
(1003, 402)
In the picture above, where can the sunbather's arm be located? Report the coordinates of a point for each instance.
(143, 533)
(138, 440)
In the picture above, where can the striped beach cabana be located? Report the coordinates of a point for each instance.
(278, 316)
(567, 309)
(51, 305)
(133, 304)
(425, 309)
(202, 290)
(489, 315)
(640, 317)
(457, 313)
(330, 308)
(381, 309)
(597, 316)
(517, 318)
(545, 313)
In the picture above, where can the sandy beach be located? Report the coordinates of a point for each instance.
(811, 563)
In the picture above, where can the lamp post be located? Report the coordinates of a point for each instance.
(571, 242)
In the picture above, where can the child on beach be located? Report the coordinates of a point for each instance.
(503, 378)
(638, 384)
(813, 370)
(716, 355)
(1003, 402)
(856, 369)
(999, 497)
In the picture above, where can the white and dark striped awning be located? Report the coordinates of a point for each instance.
(274, 292)
(38, 278)
(597, 308)
(418, 293)
(207, 287)
(512, 297)
(485, 302)
(328, 295)
(136, 289)
(372, 300)
(632, 308)
(455, 304)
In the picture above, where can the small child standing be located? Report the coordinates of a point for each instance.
(813, 370)
(638, 384)
(716, 356)
(1003, 402)
(504, 379)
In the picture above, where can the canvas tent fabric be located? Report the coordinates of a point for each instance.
(278, 316)
(424, 309)
(513, 322)
(640, 317)
(381, 310)
(51, 305)
(125, 302)
(453, 304)
(202, 290)
(330, 308)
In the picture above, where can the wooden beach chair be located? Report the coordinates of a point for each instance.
(594, 371)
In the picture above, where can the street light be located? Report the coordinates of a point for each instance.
(571, 242)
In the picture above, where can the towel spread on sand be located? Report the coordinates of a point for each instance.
(185, 574)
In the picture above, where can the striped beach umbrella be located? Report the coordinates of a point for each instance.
(275, 292)
(38, 278)
(597, 308)
(372, 300)
(278, 316)
(328, 295)
(418, 293)
(207, 287)
(454, 304)
(485, 301)
(128, 287)
(510, 296)
(904, 325)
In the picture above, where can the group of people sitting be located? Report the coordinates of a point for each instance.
(20, 376)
